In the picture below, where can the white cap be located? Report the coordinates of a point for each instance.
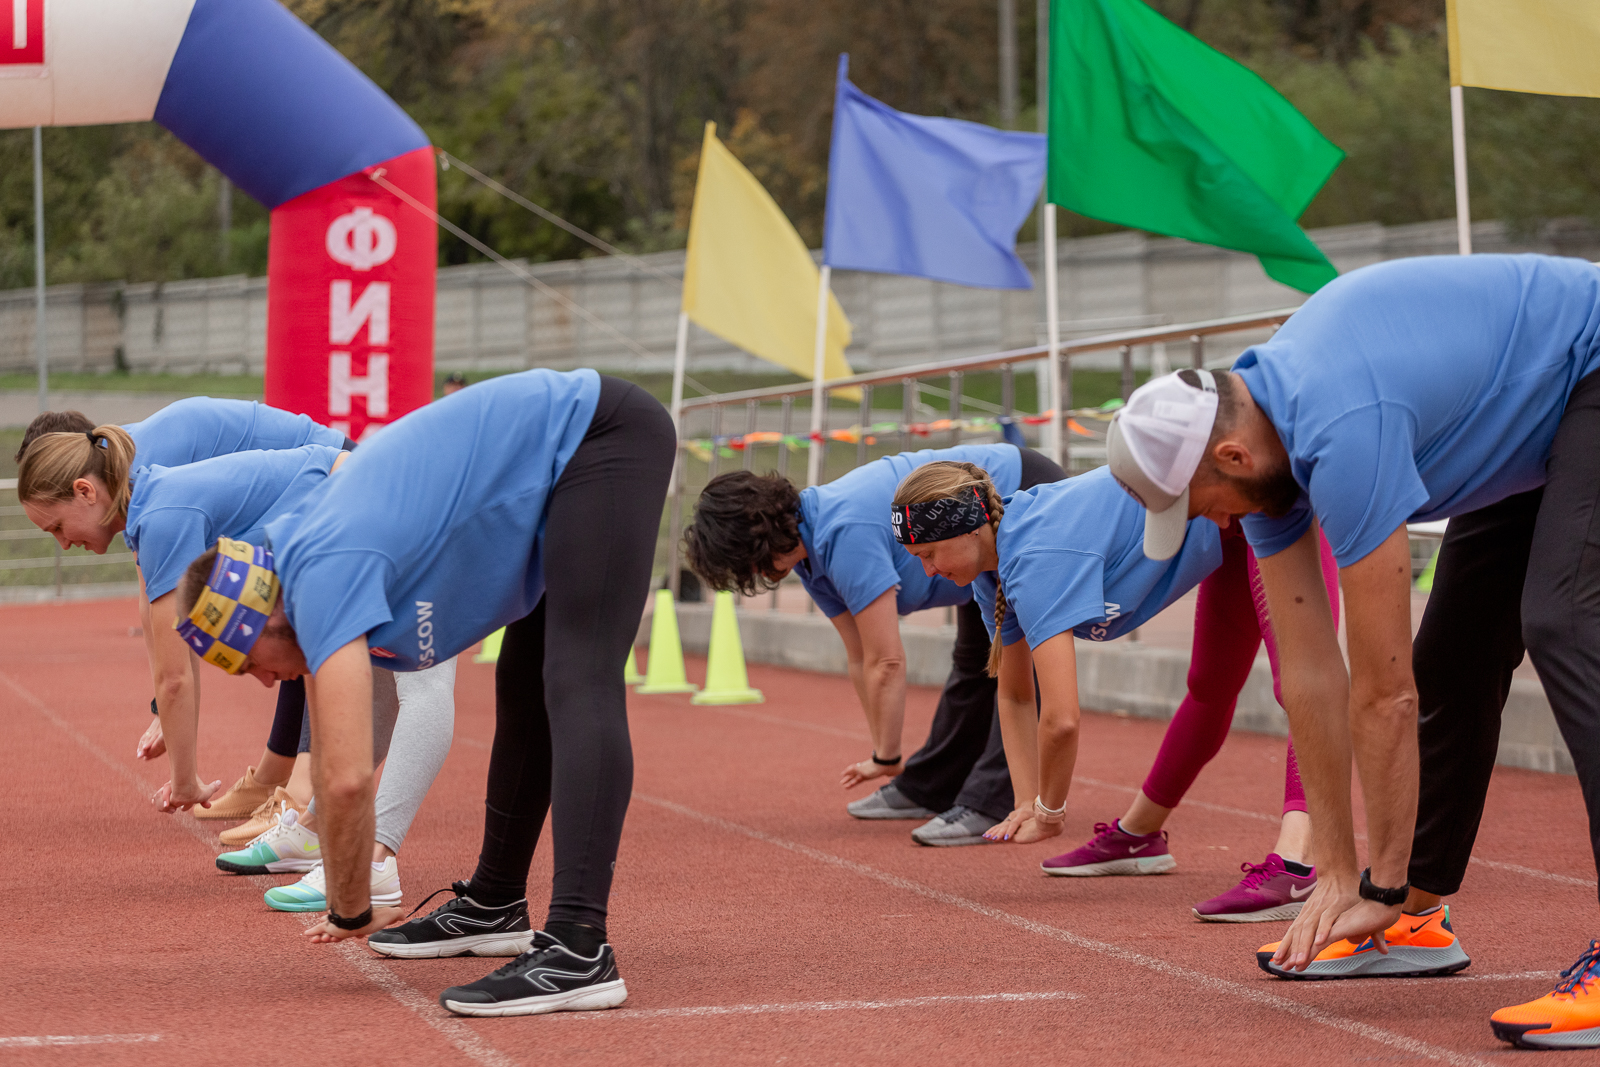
(1154, 448)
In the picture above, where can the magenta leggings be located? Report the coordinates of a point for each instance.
(1230, 622)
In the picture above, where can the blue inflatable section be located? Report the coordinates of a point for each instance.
(273, 106)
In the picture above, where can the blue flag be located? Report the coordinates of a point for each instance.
(933, 198)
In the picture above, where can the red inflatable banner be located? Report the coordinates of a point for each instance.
(350, 278)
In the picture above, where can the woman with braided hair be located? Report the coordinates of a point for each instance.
(1066, 560)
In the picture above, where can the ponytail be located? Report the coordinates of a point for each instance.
(945, 478)
(56, 460)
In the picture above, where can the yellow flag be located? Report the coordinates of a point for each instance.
(748, 277)
(1526, 46)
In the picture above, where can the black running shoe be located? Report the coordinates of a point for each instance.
(460, 927)
(548, 977)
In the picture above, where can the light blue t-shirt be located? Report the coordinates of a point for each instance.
(431, 536)
(202, 427)
(176, 513)
(1418, 389)
(852, 557)
(1072, 558)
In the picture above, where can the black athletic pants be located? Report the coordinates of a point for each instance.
(964, 760)
(561, 720)
(1526, 569)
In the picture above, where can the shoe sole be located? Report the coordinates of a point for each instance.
(589, 998)
(1522, 1035)
(952, 842)
(382, 900)
(1265, 915)
(475, 945)
(892, 813)
(294, 866)
(1401, 962)
(1151, 865)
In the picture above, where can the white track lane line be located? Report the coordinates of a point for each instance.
(1514, 868)
(50, 1040)
(817, 1006)
(1200, 979)
(355, 953)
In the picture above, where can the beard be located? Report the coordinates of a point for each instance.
(1273, 492)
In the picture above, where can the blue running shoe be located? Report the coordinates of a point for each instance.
(311, 892)
(287, 848)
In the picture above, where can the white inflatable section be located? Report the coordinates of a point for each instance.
(104, 61)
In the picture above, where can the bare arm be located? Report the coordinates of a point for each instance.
(878, 670)
(1325, 716)
(1048, 748)
(177, 685)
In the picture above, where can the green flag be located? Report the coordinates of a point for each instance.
(1152, 128)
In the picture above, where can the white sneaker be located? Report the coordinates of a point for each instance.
(310, 893)
(287, 848)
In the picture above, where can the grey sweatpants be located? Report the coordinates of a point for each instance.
(413, 721)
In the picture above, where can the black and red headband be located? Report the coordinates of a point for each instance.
(940, 520)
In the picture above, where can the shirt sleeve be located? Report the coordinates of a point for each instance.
(1051, 591)
(335, 599)
(169, 539)
(1268, 536)
(821, 592)
(857, 562)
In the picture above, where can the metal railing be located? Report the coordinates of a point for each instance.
(911, 380)
(46, 569)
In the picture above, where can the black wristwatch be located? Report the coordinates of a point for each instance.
(1379, 895)
(355, 923)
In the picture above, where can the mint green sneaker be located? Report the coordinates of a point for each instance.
(311, 892)
(287, 848)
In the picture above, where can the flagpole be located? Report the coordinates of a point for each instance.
(1458, 137)
(680, 357)
(818, 369)
(1052, 319)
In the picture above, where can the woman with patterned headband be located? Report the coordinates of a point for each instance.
(1066, 560)
(188, 431)
(530, 501)
(750, 530)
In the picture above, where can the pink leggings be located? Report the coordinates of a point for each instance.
(1230, 622)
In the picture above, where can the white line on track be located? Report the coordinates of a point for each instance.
(463, 1037)
(1449, 980)
(48, 1040)
(819, 1005)
(1200, 979)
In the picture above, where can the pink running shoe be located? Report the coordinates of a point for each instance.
(1113, 851)
(1268, 891)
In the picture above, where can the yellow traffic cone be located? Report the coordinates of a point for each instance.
(726, 681)
(664, 669)
(630, 671)
(490, 652)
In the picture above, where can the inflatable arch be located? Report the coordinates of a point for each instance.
(350, 274)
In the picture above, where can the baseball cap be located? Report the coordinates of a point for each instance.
(1154, 447)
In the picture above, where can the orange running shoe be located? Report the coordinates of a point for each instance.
(1566, 1017)
(1419, 946)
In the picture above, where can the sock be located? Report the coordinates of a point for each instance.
(1130, 833)
(1300, 870)
(1428, 911)
(584, 940)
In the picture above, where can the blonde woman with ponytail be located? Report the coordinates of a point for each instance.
(1065, 561)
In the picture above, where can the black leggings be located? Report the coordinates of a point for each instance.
(561, 720)
(1523, 572)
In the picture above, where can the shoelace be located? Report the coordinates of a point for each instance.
(1254, 874)
(1580, 972)
(526, 957)
(457, 888)
(1102, 829)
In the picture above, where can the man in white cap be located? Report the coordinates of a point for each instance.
(1413, 390)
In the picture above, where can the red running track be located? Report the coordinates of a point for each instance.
(754, 921)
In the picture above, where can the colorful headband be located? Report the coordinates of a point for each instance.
(939, 520)
(233, 607)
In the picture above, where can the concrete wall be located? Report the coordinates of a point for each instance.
(1147, 683)
(488, 318)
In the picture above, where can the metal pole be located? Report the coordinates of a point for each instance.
(819, 397)
(908, 394)
(1008, 64)
(1057, 446)
(866, 424)
(1126, 353)
(1197, 351)
(40, 331)
(716, 448)
(1008, 390)
(675, 524)
(1458, 138)
(1063, 365)
(955, 408)
(749, 428)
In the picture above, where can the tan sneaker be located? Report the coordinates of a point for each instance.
(261, 820)
(239, 802)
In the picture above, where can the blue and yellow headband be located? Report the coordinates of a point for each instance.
(233, 608)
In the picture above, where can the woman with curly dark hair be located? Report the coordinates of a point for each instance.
(750, 530)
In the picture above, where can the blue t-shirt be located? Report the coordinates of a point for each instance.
(202, 427)
(1418, 389)
(176, 513)
(1072, 558)
(852, 557)
(431, 537)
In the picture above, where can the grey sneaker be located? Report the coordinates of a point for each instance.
(887, 803)
(958, 826)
